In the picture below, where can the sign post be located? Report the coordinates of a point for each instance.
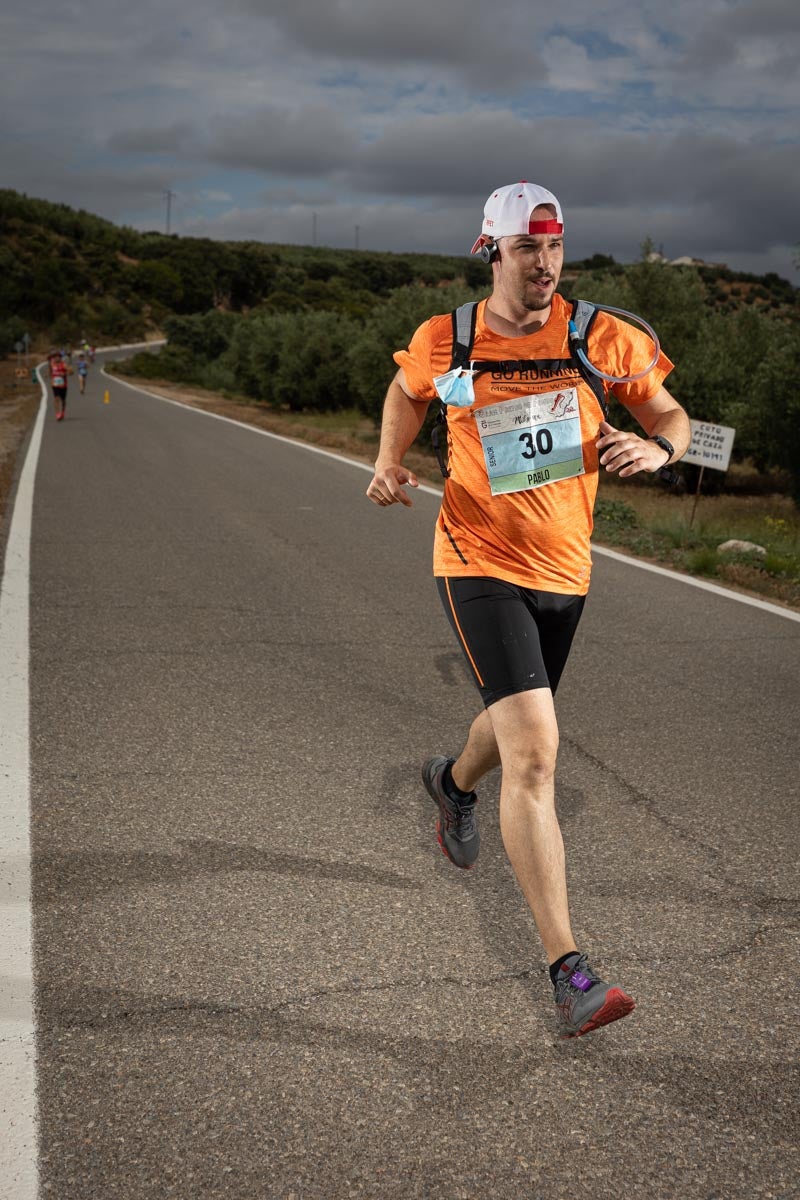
(711, 447)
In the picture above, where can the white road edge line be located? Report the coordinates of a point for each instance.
(19, 1135)
(689, 580)
(19, 1171)
(699, 583)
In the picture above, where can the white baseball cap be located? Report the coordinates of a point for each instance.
(508, 212)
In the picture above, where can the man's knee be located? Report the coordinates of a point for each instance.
(527, 736)
(531, 768)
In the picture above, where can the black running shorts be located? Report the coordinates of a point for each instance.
(515, 639)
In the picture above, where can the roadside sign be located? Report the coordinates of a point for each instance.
(19, 347)
(710, 446)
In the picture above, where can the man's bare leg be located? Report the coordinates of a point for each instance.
(479, 756)
(523, 733)
(526, 734)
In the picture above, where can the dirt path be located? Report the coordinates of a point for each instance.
(19, 403)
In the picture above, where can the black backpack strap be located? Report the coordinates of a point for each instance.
(582, 318)
(464, 319)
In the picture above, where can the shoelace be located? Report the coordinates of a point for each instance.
(464, 819)
(566, 986)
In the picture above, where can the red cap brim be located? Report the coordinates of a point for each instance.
(534, 227)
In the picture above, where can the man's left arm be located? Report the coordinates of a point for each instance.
(627, 453)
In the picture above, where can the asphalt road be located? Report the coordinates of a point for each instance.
(256, 974)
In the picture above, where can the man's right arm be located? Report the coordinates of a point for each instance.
(403, 416)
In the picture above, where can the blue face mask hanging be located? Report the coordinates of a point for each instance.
(455, 388)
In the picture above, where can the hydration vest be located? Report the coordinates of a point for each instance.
(464, 319)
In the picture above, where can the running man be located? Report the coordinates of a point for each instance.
(59, 373)
(511, 549)
(83, 371)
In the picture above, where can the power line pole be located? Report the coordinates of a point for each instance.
(356, 237)
(170, 197)
(313, 229)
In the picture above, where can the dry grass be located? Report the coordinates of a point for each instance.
(753, 518)
(19, 403)
(685, 532)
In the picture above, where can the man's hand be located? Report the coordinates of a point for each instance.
(627, 453)
(387, 486)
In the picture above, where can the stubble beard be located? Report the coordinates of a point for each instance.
(537, 303)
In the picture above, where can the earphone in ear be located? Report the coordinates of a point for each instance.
(489, 252)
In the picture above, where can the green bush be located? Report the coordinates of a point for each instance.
(313, 370)
(174, 363)
(206, 335)
(390, 327)
(615, 513)
(11, 331)
(782, 566)
(703, 561)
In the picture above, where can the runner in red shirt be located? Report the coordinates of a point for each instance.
(59, 374)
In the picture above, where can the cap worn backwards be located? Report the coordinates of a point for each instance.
(508, 211)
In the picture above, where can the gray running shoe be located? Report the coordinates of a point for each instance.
(456, 829)
(584, 1002)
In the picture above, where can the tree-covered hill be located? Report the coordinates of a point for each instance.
(65, 273)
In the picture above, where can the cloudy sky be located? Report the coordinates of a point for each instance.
(385, 124)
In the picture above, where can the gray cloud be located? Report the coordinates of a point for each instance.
(111, 192)
(166, 140)
(716, 186)
(312, 141)
(444, 34)
(758, 35)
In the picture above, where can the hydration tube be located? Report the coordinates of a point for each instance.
(579, 346)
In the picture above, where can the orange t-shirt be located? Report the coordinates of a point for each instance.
(537, 536)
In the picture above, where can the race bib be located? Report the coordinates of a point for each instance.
(59, 381)
(531, 441)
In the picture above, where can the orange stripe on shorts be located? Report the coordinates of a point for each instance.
(461, 635)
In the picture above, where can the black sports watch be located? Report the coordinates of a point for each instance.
(664, 444)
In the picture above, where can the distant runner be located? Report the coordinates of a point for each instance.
(83, 371)
(59, 373)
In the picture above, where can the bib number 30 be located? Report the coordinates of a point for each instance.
(531, 440)
(541, 441)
